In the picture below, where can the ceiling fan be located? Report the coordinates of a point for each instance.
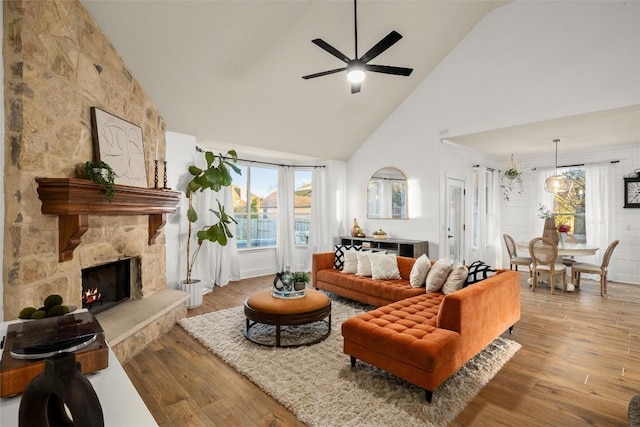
(356, 67)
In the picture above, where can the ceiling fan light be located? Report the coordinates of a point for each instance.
(556, 184)
(356, 75)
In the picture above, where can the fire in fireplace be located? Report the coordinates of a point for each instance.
(107, 285)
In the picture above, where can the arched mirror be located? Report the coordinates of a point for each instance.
(387, 194)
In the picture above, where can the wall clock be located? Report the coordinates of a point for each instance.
(632, 192)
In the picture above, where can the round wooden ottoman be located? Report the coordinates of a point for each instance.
(266, 309)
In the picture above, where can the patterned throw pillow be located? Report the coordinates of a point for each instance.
(437, 275)
(478, 271)
(384, 266)
(456, 278)
(338, 262)
(419, 271)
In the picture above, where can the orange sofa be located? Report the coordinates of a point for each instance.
(424, 338)
(363, 289)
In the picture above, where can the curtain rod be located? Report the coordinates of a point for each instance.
(486, 167)
(581, 164)
(266, 163)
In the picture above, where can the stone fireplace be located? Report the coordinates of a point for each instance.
(57, 65)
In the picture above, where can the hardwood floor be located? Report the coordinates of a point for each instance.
(579, 365)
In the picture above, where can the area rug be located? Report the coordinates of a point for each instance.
(318, 384)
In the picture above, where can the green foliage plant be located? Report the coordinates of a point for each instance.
(102, 174)
(216, 175)
(300, 276)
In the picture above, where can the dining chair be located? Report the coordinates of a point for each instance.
(514, 259)
(544, 254)
(584, 267)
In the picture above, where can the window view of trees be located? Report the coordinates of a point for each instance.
(569, 208)
(255, 206)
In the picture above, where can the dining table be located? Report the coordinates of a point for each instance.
(567, 249)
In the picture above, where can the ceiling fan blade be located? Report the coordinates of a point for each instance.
(355, 87)
(387, 69)
(332, 50)
(384, 44)
(324, 73)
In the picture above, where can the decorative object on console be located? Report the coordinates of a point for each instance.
(380, 234)
(632, 190)
(60, 388)
(119, 143)
(356, 231)
(557, 183)
(102, 174)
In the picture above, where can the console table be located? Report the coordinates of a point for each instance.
(401, 247)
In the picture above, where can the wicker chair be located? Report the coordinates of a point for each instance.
(583, 267)
(514, 259)
(544, 254)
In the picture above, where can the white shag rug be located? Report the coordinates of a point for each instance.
(318, 384)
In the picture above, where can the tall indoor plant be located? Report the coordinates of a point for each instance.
(216, 175)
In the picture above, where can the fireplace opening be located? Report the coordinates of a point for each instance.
(107, 285)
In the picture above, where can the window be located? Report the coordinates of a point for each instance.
(569, 208)
(255, 206)
(302, 209)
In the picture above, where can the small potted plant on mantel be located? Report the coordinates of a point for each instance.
(215, 176)
(102, 174)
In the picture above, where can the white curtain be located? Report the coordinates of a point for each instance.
(598, 207)
(494, 237)
(216, 264)
(285, 252)
(544, 198)
(319, 238)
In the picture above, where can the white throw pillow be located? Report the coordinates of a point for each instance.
(350, 264)
(384, 266)
(437, 275)
(364, 264)
(456, 278)
(419, 271)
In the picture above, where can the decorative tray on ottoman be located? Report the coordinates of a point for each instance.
(28, 343)
(287, 294)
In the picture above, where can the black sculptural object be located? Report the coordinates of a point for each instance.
(61, 383)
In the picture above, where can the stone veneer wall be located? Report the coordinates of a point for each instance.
(58, 64)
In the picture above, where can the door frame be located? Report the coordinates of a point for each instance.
(458, 183)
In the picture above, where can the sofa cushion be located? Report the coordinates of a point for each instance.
(456, 278)
(478, 271)
(437, 275)
(364, 264)
(338, 262)
(419, 271)
(356, 287)
(384, 266)
(350, 264)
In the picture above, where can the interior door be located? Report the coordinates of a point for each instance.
(455, 220)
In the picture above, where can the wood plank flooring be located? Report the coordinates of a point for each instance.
(579, 365)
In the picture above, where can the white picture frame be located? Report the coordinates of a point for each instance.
(119, 144)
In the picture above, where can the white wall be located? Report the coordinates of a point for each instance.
(525, 62)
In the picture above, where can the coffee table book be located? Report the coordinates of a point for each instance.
(28, 338)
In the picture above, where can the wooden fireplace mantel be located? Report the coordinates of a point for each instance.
(73, 200)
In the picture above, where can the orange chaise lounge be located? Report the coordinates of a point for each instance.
(426, 338)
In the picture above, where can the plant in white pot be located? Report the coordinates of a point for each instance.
(216, 175)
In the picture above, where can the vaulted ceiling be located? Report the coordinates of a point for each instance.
(231, 71)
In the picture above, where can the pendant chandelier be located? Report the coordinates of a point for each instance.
(556, 183)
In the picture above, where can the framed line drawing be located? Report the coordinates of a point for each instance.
(119, 143)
